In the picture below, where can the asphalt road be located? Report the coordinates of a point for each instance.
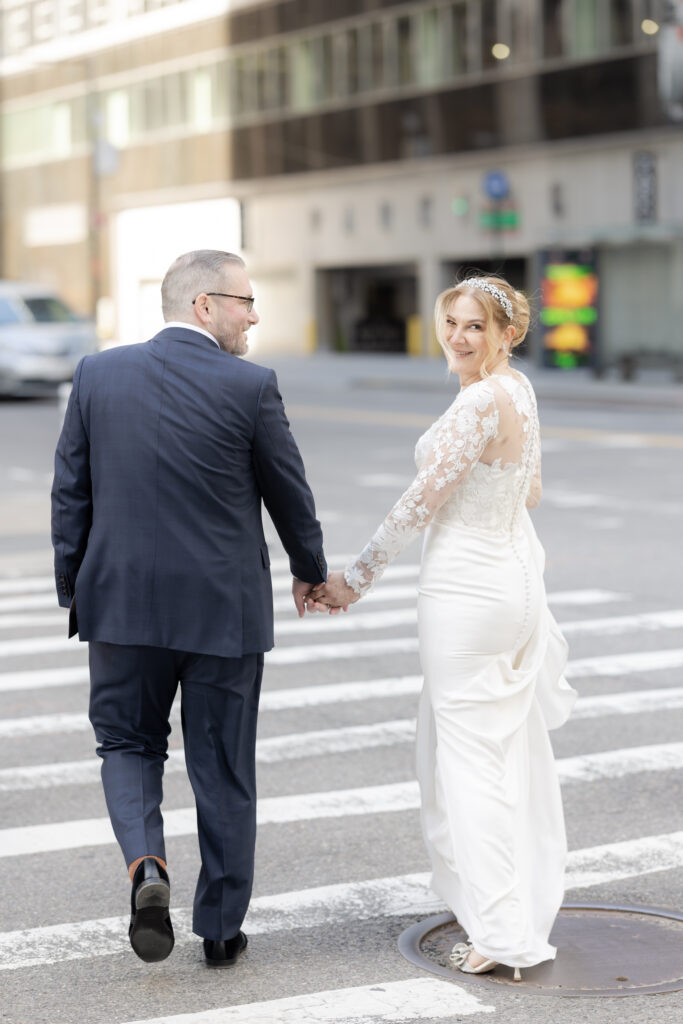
(340, 858)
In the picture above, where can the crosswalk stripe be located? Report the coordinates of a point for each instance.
(601, 765)
(648, 621)
(339, 904)
(623, 703)
(12, 606)
(43, 678)
(66, 835)
(418, 999)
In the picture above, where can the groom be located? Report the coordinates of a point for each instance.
(167, 452)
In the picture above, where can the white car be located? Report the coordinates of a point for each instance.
(41, 339)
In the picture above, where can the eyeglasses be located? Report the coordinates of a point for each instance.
(249, 299)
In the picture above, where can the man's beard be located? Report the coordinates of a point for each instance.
(234, 343)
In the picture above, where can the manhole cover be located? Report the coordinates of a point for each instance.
(601, 951)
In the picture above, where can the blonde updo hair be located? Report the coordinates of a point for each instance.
(495, 315)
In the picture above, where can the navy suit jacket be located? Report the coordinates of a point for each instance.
(167, 451)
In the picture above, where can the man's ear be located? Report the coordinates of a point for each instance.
(201, 307)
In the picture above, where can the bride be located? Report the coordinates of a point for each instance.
(491, 652)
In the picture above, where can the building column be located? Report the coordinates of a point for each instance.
(431, 281)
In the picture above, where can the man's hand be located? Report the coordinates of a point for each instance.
(332, 596)
(305, 597)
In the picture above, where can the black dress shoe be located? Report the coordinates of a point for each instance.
(150, 932)
(224, 953)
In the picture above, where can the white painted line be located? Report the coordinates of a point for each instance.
(336, 652)
(599, 766)
(54, 620)
(38, 645)
(384, 593)
(615, 764)
(600, 865)
(340, 905)
(625, 664)
(44, 678)
(335, 693)
(622, 703)
(66, 835)
(27, 585)
(586, 597)
(646, 621)
(604, 764)
(28, 604)
(418, 999)
(625, 703)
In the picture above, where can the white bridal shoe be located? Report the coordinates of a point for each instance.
(459, 958)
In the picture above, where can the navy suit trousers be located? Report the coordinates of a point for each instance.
(132, 690)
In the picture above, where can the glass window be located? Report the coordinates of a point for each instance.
(17, 29)
(489, 33)
(620, 23)
(47, 309)
(456, 39)
(201, 100)
(98, 12)
(377, 61)
(326, 67)
(154, 116)
(405, 50)
(8, 315)
(61, 129)
(553, 28)
(352, 62)
(301, 74)
(117, 118)
(44, 20)
(175, 99)
(585, 28)
(71, 15)
(429, 40)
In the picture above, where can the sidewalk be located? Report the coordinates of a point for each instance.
(328, 373)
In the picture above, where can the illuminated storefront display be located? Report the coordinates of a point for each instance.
(569, 308)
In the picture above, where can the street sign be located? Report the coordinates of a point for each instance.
(496, 185)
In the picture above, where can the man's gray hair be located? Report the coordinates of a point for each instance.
(191, 274)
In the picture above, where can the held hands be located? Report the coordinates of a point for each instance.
(332, 596)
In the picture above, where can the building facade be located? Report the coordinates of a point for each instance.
(359, 154)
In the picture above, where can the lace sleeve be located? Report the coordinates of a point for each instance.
(533, 499)
(456, 444)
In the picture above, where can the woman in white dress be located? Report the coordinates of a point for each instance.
(491, 653)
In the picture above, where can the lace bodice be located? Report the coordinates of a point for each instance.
(478, 466)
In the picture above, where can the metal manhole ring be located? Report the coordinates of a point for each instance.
(600, 952)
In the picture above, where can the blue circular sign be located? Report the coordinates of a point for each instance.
(496, 185)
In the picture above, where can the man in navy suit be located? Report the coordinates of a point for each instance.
(167, 452)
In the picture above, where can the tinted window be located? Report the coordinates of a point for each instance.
(7, 314)
(47, 310)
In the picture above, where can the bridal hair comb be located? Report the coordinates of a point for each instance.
(485, 286)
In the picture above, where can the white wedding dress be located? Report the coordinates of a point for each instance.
(493, 658)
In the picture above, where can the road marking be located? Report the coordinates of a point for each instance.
(625, 664)
(339, 905)
(389, 419)
(614, 626)
(605, 666)
(625, 703)
(418, 999)
(13, 610)
(44, 678)
(336, 652)
(598, 766)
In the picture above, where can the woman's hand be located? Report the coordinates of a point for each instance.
(335, 595)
